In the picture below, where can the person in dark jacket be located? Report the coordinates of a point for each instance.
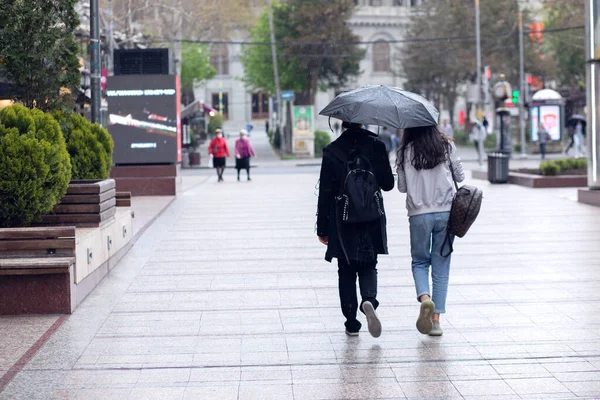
(356, 246)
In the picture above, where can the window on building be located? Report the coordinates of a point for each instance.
(381, 56)
(375, 3)
(414, 3)
(219, 58)
(260, 105)
(398, 3)
(215, 103)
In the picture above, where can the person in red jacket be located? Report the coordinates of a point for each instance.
(219, 151)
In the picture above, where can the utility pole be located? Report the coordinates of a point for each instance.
(478, 39)
(276, 76)
(110, 39)
(95, 60)
(522, 85)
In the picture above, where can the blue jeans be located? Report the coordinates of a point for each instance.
(427, 234)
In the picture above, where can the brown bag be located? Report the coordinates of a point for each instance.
(465, 208)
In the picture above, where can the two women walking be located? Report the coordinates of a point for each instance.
(426, 162)
(218, 150)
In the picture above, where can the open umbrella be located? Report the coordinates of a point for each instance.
(573, 119)
(383, 106)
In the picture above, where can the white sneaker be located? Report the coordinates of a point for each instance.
(424, 322)
(372, 320)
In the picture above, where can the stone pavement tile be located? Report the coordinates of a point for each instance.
(228, 375)
(309, 356)
(483, 387)
(430, 390)
(549, 349)
(264, 358)
(577, 376)
(379, 389)
(481, 337)
(250, 391)
(257, 344)
(365, 374)
(215, 359)
(281, 375)
(417, 372)
(568, 365)
(221, 392)
(154, 393)
(33, 385)
(589, 389)
(163, 376)
(316, 374)
(524, 370)
(91, 394)
(469, 370)
(537, 386)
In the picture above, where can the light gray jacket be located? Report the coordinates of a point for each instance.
(431, 190)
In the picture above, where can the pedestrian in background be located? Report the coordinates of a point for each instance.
(267, 126)
(356, 245)
(477, 136)
(423, 166)
(218, 151)
(543, 138)
(386, 138)
(447, 129)
(249, 128)
(243, 153)
(578, 139)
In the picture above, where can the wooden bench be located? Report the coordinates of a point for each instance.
(123, 199)
(35, 265)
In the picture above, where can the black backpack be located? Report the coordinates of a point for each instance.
(359, 199)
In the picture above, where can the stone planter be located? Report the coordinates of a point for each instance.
(539, 181)
(194, 157)
(87, 204)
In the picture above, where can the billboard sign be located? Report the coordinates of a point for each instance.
(550, 118)
(144, 118)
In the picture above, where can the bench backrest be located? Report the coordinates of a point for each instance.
(37, 242)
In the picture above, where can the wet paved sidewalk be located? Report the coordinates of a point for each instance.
(227, 296)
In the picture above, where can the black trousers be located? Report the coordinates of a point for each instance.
(367, 280)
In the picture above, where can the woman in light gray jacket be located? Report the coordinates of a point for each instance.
(423, 165)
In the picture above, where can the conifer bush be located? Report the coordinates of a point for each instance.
(89, 145)
(35, 168)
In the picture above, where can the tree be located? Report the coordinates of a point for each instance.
(195, 68)
(316, 49)
(439, 68)
(566, 50)
(38, 51)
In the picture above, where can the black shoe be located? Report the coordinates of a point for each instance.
(351, 333)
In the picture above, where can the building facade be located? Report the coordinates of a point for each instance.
(377, 22)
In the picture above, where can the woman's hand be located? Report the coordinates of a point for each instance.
(324, 240)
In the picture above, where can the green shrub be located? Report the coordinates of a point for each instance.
(214, 123)
(490, 142)
(581, 163)
(35, 168)
(90, 146)
(549, 168)
(564, 164)
(322, 139)
(270, 135)
(461, 138)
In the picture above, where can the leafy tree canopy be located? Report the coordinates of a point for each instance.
(305, 31)
(38, 51)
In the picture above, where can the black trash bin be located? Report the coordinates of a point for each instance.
(498, 167)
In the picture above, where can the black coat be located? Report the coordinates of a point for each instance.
(362, 242)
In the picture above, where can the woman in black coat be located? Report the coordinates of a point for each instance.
(356, 246)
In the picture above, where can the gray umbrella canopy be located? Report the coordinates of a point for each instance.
(383, 106)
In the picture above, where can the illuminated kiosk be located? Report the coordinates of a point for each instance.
(144, 121)
(592, 25)
(547, 108)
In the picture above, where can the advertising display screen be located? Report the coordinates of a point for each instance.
(143, 118)
(549, 117)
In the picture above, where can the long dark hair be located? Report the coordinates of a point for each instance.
(429, 145)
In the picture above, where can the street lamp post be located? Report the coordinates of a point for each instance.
(95, 60)
(593, 90)
(478, 50)
(522, 85)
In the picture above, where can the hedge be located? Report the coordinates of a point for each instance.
(89, 145)
(556, 166)
(35, 168)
